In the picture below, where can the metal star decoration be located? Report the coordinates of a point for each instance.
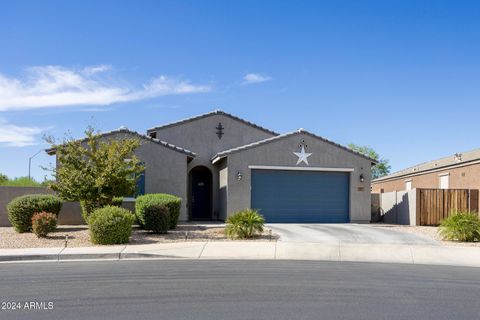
(302, 156)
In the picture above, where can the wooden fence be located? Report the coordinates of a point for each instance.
(434, 205)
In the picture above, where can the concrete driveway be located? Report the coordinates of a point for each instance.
(336, 234)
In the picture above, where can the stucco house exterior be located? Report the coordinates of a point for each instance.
(458, 171)
(219, 164)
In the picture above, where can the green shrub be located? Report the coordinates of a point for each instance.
(155, 218)
(87, 208)
(244, 224)
(21, 209)
(117, 201)
(21, 182)
(110, 225)
(43, 223)
(172, 202)
(461, 226)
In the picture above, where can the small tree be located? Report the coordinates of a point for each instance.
(382, 168)
(95, 170)
(3, 178)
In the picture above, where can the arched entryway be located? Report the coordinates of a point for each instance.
(200, 200)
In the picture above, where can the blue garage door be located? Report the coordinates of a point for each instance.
(301, 196)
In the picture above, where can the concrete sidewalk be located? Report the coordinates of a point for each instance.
(410, 254)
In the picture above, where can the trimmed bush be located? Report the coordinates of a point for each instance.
(22, 209)
(117, 201)
(43, 223)
(110, 225)
(244, 224)
(156, 218)
(172, 202)
(461, 226)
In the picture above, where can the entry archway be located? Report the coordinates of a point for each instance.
(200, 200)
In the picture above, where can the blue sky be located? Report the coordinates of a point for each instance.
(400, 76)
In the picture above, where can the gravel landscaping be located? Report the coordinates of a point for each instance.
(78, 236)
(430, 232)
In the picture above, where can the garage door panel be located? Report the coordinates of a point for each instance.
(301, 196)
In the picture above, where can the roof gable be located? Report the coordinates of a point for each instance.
(209, 114)
(189, 153)
(225, 153)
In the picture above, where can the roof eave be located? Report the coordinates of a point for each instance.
(216, 159)
(285, 135)
(215, 112)
(426, 171)
(188, 153)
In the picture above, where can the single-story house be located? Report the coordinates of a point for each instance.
(219, 164)
(459, 171)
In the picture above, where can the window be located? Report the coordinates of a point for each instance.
(140, 182)
(140, 186)
(444, 181)
(408, 185)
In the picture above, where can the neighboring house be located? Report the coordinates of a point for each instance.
(219, 164)
(459, 171)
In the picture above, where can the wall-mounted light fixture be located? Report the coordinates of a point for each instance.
(362, 178)
(239, 176)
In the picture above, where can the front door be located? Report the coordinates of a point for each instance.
(201, 195)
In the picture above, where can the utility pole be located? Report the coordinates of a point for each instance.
(30, 162)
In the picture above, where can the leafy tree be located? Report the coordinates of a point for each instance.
(18, 181)
(21, 182)
(95, 170)
(382, 168)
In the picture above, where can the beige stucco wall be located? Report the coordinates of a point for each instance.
(280, 153)
(465, 177)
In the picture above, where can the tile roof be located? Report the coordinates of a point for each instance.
(453, 160)
(189, 153)
(268, 140)
(212, 113)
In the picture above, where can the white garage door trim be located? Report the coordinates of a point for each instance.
(301, 168)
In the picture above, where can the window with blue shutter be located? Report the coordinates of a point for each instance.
(140, 186)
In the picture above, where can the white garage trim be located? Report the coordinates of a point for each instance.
(301, 168)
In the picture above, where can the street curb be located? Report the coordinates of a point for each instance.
(29, 257)
(407, 254)
(85, 256)
(136, 256)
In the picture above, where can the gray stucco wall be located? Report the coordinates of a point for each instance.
(165, 170)
(70, 213)
(223, 189)
(280, 153)
(200, 136)
(399, 207)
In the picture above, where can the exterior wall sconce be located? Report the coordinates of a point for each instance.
(239, 176)
(362, 178)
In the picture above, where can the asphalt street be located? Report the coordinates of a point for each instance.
(175, 289)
